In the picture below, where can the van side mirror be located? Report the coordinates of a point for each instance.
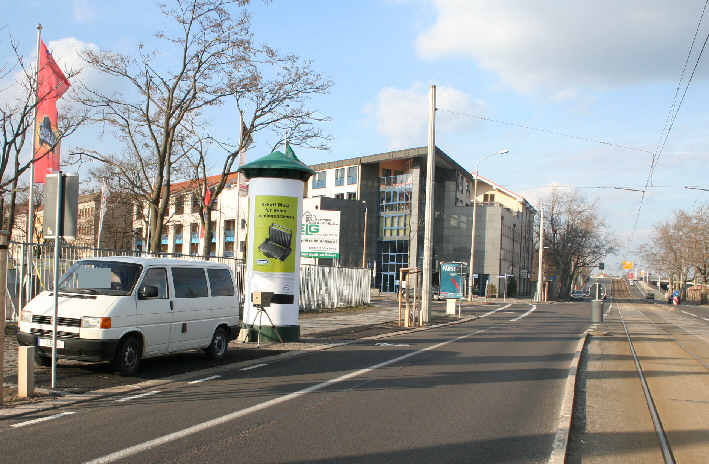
(147, 291)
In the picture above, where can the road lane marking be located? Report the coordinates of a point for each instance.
(495, 310)
(706, 318)
(248, 368)
(610, 306)
(688, 313)
(141, 395)
(391, 344)
(204, 379)
(525, 314)
(170, 437)
(42, 419)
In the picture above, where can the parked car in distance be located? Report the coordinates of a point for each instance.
(124, 309)
(577, 295)
(650, 297)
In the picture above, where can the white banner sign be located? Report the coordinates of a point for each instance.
(320, 234)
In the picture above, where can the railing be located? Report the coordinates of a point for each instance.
(333, 287)
(321, 287)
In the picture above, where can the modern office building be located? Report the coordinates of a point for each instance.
(393, 186)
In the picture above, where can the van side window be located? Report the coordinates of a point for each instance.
(220, 282)
(189, 282)
(157, 277)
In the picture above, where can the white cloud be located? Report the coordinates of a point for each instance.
(83, 11)
(402, 114)
(561, 46)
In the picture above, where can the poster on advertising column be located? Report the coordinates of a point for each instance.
(275, 224)
(320, 234)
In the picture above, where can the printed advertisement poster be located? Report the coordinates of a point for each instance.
(452, 281)
(275, 231)
(320, 234)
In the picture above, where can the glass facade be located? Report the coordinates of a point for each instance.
(394, 211)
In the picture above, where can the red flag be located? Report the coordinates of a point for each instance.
(207, 197)
(51, 85)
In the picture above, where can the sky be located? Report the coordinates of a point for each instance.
(578, 92)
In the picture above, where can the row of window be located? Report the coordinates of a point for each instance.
(190, 282)
(348, 196)
(320, 177)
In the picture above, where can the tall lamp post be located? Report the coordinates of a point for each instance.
(471, 270)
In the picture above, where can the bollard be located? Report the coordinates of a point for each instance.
(25, 371)
(597, 311)
(450, 306)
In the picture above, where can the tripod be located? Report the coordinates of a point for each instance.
(260, 311)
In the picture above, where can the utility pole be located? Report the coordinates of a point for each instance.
(4, 238)
(428, 218)
(540, 271)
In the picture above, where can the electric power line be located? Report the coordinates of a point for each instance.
(544, 130)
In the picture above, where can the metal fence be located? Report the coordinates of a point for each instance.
(333, 287)
(321, 287)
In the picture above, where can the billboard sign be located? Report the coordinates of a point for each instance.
(320, 234)
(452, 280)
(627, 265)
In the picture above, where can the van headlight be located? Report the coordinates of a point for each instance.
(26, 316)
(95, 322)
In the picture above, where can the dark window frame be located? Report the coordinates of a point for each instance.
(184, 291)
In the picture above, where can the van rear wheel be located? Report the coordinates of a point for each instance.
(217, 349)
(127, 360)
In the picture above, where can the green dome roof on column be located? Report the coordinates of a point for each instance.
(277, 164)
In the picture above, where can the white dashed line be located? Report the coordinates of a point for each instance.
(253, 367)
(142, 395)
(525, 314)
(204, 379)
(688, 313)
(42, 419)
(705, 318)
(495, 310)
(610, 306)
(391, 344)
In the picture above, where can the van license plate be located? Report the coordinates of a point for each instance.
(48, 343)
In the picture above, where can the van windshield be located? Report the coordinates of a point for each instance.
(100, 277)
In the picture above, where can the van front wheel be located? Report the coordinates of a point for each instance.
(127, 359)
(217, 349)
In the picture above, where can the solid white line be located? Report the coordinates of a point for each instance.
(688, 313)
(150, 444)
(141, 395)
(248, 368)
(705, 318)
(563, 428)
(495, 310)
(525, 314)
(42, 419)
(204, 379)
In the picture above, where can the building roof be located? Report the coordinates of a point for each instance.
(211, 181)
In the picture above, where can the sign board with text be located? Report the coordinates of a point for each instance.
(452, 280)
(627, 264)
(320, 234)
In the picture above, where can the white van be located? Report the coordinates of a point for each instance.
(124, 308)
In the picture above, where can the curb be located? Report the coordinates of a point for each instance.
(23, 409)
(563, 428)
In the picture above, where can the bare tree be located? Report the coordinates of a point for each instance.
(215, 61)
(576, 236)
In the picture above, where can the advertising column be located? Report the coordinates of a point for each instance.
(273, 243)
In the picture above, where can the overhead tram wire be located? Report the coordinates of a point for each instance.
(672, 112)
(543, 130)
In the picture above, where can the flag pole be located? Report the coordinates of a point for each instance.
(30, 206)
(237, 225)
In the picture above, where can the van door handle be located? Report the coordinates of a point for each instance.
(172, 306)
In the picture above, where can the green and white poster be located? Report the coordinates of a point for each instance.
(275, 231)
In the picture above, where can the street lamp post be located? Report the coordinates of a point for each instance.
(471, 270)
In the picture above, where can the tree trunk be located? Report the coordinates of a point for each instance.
(206, 217)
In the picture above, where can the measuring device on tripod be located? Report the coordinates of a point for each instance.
(261, 301)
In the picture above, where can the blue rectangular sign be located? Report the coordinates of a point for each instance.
(452, 280)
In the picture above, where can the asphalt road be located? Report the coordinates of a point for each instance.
(483, 391)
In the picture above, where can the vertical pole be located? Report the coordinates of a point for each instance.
(540, 272)
(58, 230)
(30, 205)
(472, 240)
(428, 224)
(4, 238)
(364, 244)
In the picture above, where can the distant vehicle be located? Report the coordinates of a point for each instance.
(650, 297)
(577, 295)
(124, 309)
